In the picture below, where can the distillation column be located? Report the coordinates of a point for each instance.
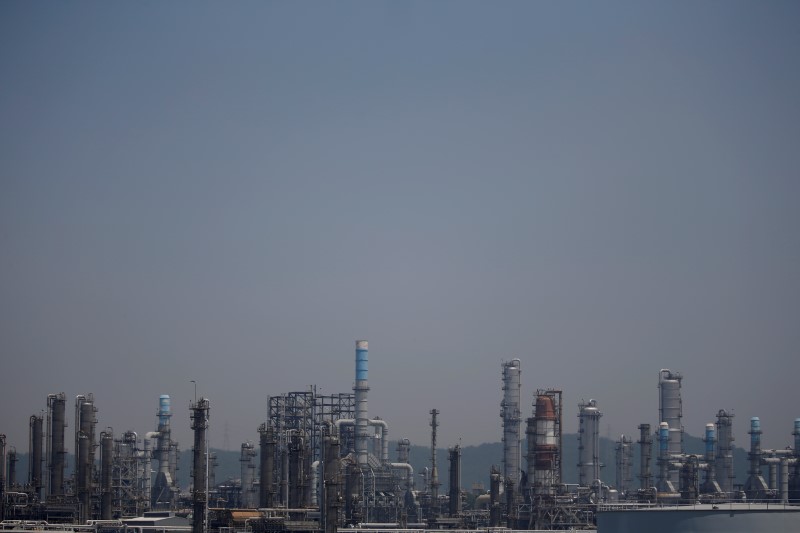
(511, 414)
(724, 455)
(106, 460)
(85, 422)
(646, 454)
(670, 410)
(544, 444)
(56, 457)
(35, 455)
(199, 419)
(455, 480)
(266, 488)
(248, 468)
(589, 443)
(332, 483)
(624, 460)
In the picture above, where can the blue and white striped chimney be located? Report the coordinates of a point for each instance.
(361, 388)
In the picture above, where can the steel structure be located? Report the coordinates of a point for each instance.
(130, 477)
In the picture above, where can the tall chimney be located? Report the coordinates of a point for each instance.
(361, 388)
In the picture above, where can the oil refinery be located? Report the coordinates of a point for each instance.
(323, 462)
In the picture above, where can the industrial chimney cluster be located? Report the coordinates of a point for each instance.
(323, 463)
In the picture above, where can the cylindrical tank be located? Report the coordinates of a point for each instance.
(361, 388)
(589, 443)
(511, 414)
(545, 446)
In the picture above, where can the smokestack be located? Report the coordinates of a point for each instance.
(361, 388)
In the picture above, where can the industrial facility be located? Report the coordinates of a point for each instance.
(323, 462)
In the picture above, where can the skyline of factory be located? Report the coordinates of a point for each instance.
(324, 462)
(311, 417)
(121, 408)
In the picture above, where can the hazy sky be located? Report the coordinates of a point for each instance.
(235, 192)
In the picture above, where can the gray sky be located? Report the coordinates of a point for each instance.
(234, 193)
